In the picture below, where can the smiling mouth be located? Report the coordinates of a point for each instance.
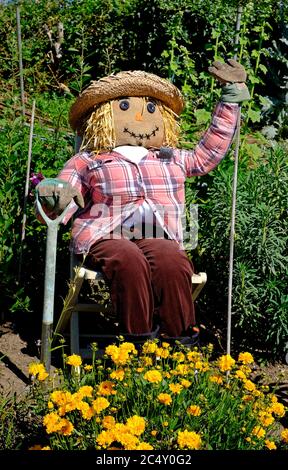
(141, 136)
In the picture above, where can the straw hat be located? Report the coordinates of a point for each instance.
(131, 83)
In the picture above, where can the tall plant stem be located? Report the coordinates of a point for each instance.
(234, 196)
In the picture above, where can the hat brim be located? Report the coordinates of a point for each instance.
(130, 83)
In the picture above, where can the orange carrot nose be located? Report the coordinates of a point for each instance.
(138, 117)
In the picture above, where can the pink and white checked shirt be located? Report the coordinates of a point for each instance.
(114, 187)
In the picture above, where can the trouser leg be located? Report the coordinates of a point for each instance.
(129, 277)
(171, 273)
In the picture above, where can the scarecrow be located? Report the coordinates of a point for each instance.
(126, 192)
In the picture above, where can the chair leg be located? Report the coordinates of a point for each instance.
(74, 333)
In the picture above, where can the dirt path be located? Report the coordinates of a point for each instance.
(14, 362)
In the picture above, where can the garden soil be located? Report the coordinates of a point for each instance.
(16, 354)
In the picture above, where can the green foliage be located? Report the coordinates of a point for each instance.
(261, 256)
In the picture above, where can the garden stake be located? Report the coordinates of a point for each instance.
(49, 282)
(234, 196)
(19, 40)
(26, 189)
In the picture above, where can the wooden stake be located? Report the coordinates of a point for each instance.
(234, 197)
(20, 59)
(26, 188)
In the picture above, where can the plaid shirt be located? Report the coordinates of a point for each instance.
(114, 187)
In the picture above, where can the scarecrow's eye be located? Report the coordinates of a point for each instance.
(151, 107)
(124, 105)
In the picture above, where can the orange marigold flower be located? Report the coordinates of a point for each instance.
(100, 404)
(185, 383)
(249, 385)
(189, 440)
(278, 409)
(106, 388)
(270, 445)
(258, 431)
(194, 410)
(38, 371)
(164, 398)
(118, 374)
(284, 435)
(153, 376)
(175, 388)
(74, 360)
(225, 362)
(246, 358)
(136, 425)
(108, 422)
(144, 446)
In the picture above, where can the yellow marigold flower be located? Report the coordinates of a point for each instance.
(129, 441)
(265, 418)
(185, 383)
(50, 405)
(164, 398)
(178, 356)
(190, 440)
(147, 361)
(35, 447)
(247, 398)
(87, 412)
(67, 427)
(129, 347)
(46, 448)
(85, 391)
(154, 432)
(216, 379)
(278, 409)
(105, 438)
(258, 431)
(38, 371)
(136, 425)
(111, 350)
(175, 388)
(250, 386)
(225, 362)
(167, 375)
(118, 374)
(240, 375)
(270, 445)
(74, 360)
(88, 367)
(108, 422)
(284, 435)
(106, 388)
(162, 352)
(165, 345)
(153, 376)
(198, 365)
(182, 369)
(52, 422)
(144, 446)
(165, 424)
(193, 356)
(194, 410)
(274, 399)
(149, 347)
(248, 439)
(246, 358)
(100, 404)
(245, 369)
(139, 369)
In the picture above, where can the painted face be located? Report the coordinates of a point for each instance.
(138, 121)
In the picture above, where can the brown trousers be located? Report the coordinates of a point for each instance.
(150, 283)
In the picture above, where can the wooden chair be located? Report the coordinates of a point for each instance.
(72, 308)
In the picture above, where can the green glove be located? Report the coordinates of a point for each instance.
(235, 93)
(56, 194)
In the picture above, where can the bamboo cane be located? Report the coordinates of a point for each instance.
(19, 40)
(26, 188)
(234, 196)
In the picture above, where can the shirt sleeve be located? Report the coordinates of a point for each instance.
(214, 144)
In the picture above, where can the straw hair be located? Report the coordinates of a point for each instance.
(130, 83)
(99, 134)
